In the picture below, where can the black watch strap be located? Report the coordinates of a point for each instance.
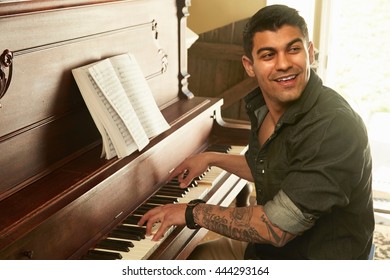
(189, 215)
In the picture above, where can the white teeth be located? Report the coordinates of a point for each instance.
(286, 79)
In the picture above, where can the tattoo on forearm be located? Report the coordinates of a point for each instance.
(275, 237)
(236, 223)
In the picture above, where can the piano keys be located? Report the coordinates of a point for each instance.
(128, 241)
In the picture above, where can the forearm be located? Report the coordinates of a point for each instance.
(235, 164)
(249, 224)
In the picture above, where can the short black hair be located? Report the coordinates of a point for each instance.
(271, 18)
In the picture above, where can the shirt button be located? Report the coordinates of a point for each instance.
(262, 171)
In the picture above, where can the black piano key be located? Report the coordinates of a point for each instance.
(147, 206)
(174, 182)
(199, 178)
(124, 235)
(169, 193)
(140, 212)
(175, 188)
(162, 200)
(143, 209)
(132, 220)
(141, 231)
(219, 148)
(194, 181)
(103, 255)
(117, 245)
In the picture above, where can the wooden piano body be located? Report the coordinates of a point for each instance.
(58, 197)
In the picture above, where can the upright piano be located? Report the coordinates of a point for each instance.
(58, 198)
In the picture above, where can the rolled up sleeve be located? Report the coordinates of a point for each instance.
(282, 212)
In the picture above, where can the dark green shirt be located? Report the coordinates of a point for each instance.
(319, 159)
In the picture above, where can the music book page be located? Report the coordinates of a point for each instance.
(118, 141)
(139, 94)
(121, 104)
(123, 115)
(91, 93)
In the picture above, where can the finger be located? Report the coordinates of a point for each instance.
(144, 218)
(186, 179)
(176, 172)
(184, 183)
(183, 178)
(148, 216)
(150, 224)
(160, 232)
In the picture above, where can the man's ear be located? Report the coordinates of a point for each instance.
(248, 65)
(311, 53)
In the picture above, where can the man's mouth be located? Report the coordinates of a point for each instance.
(286, 78)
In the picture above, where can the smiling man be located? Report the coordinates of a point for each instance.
(308, 157)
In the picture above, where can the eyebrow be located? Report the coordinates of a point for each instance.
(273, 49)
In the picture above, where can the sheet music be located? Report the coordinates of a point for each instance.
(121, 109)
(122, 145)
(139, 94)
(108, 150)
(81, 74)
(121, 104)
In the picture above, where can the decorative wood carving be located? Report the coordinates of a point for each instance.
(6, 59)
(183, 13)
(164, 56)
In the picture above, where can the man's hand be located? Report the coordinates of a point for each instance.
(190, 168)
(167, 215)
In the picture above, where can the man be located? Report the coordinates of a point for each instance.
(308, 156)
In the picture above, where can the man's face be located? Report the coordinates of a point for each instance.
(281, 64)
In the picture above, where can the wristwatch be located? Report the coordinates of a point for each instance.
(189, 215)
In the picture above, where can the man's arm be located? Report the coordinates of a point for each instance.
(197, 164)
(242, 223)
(249, 224)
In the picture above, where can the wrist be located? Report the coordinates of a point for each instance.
(189, 214)
(214, 158)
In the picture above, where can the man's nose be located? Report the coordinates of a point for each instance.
(283, 62)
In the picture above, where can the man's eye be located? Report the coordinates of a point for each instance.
(267, 56)
(294, 49)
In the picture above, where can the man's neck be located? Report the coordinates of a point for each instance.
(276, 110)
